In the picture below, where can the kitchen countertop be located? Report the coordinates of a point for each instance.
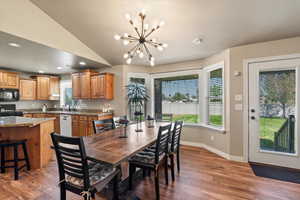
(77, 112)
(13, 121)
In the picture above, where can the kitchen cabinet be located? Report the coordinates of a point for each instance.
(75, 126)
(43, 87)
(27, 89)
(9, 80)
(56, 121)
(76, 86)
(85, 85)
(92, 85)
(54, 88)
(28, 115)
(82, 125)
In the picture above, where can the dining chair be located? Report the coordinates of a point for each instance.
(116, 120)
(103, 125)
(175, 147)
(147, 160)
(166, 117)
(79, 173)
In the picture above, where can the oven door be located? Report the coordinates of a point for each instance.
(9, 95)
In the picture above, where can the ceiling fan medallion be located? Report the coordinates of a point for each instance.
(142, 40)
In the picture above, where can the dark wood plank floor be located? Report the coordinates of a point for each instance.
(204, 176)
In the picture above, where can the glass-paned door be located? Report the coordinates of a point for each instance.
(273, 110)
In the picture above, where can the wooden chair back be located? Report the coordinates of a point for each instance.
(176, 135)
(162, 141)
(103, 125)
(71, 159)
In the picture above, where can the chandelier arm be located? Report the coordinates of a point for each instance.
(133, 49)
(129, 38)
(152, 30)
(147, 50)
(154, 43)
(137, 31)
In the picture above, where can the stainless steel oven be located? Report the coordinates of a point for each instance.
(9, 94)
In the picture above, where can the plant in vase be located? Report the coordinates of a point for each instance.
(137, 97)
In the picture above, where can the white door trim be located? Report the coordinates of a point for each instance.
(246, 64)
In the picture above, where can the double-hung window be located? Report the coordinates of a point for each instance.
(195, 96)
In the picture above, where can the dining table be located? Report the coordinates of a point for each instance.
(112, 147)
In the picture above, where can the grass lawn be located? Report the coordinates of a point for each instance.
(267, 128)
(189, 118)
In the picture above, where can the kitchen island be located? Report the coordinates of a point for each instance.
(36, 131)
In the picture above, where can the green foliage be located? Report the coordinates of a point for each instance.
(136, 94)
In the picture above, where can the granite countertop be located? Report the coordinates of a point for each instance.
(14, 121)
(77, 112)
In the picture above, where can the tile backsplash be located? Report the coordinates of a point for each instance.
(31, 104)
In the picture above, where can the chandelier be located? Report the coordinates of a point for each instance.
(142, 40)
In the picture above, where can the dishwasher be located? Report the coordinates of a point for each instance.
(66, 125)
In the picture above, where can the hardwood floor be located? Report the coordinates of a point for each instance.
(204, 175)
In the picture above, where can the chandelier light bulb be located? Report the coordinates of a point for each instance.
(117, 37)
(152, 63)
(126, 55)
(125, 42)
(128, 61)
(154, 40)
(143, 12)
(162, 23)
(141, 55)
(125, 34)
(127, 16)
(160, 48)
(152, 58)
(146, 27)
(165, 45)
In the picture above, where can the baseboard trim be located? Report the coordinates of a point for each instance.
(214, 150)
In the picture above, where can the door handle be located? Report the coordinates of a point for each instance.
(252, 117)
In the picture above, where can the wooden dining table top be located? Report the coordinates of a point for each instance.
(110, 148)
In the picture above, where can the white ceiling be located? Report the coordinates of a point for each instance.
(221, 24)
(32, 57)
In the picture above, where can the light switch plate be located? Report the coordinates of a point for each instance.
(238, 107)
(238, 97)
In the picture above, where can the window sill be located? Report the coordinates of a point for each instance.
(219, 129)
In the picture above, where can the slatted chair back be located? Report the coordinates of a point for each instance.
(162, 141)
(117, 120)
(71, 159)
(103, 125)
(176, 135)
(164, 117)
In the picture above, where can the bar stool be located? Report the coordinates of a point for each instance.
(14, 144)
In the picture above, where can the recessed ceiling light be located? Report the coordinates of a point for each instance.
(14, 44)
(59, 68)
(197, 41)
(82, 63)
(41, 72)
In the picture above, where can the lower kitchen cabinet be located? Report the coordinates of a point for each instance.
(44, 115)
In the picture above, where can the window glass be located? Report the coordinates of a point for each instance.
(215, 97)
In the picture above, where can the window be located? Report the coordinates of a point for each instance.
(215, 97)
(195, 97)
(178, 98)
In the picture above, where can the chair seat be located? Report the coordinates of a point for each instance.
(98, 172)
(145, 157)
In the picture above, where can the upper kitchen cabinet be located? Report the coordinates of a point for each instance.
(47, 87)
(9, 80)
(92, 85)
(102, 86)
(43, 88)
(27, 89)
(76, 86)
(54, 88)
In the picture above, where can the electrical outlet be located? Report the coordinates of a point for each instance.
(212, 138)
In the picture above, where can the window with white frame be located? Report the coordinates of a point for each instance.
(195, 97)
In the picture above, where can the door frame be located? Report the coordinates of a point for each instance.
(246, 64)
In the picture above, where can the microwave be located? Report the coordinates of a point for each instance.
(9, 94)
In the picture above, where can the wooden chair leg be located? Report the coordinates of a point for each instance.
(157, 184)
(166, 171)
(172, 167)
(2, 160)
(178, 161)
(63, 195)
(116, 188)
(131, 173)
(16, 167)
(26, 156)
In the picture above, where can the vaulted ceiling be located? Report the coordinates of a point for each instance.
(220, 23)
